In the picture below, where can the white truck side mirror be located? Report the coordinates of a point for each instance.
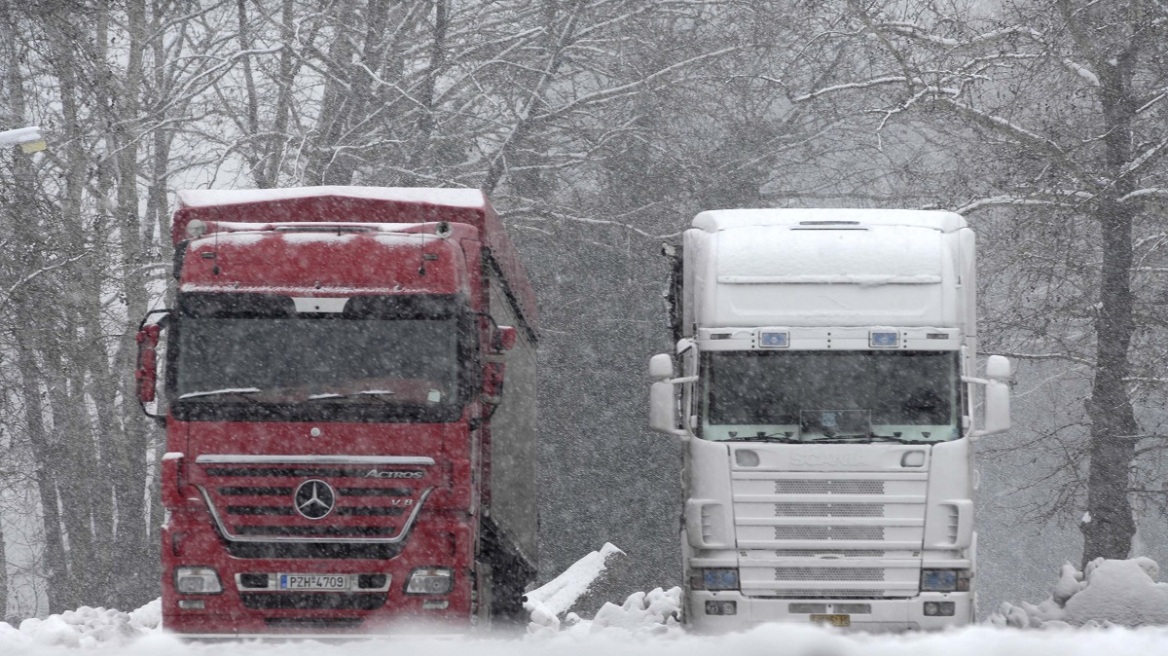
(997, 396)
(663, 408)
(998, 368)
(660, 367)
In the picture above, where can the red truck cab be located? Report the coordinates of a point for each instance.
(349, 401)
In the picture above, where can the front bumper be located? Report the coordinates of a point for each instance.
(237, 613)
(906, 614)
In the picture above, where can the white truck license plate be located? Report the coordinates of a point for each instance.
(314, 582)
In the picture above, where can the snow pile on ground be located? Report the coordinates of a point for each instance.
(551, 600)
(1107, 593)
(84, 627)
(549, 605)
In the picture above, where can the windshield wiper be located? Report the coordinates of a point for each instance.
(379, 395)
(776, 439)
(240, 392)
(864, 438)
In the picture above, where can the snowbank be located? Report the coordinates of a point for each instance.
(85, 627)
(553, 599)
(1108, 593)
(549, 605)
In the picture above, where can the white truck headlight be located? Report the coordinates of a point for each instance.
(714, 578)
(430, 580)
(197, 580)
(945, 580)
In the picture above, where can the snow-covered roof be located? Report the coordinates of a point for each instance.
(434, 196)
(716, 220)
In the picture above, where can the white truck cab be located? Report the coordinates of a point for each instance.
(823, 382)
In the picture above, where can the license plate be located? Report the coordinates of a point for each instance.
(832, 620)
(314, 582)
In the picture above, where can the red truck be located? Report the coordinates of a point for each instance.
(342, 453)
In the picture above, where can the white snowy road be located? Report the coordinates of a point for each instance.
(1109, 593)
(777, 640)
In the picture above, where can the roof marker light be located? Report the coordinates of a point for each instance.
(883, 339)
(773, 339)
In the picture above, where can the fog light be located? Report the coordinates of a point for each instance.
(372, 581)
(192, 604)
(197, 580)
(940, 608)
(715, 607)
(432, 580)
(252, 581)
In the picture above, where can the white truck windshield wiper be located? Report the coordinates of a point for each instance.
(777, 439)
(864, 438)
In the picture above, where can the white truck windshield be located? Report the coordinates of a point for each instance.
(837, 396)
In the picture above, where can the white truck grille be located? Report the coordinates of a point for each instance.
(840, 534)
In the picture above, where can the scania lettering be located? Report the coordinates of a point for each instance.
(824, 383)
(342, 452)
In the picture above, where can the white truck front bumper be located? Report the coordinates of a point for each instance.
(883, 614)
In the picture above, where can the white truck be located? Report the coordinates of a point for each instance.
(828, 404)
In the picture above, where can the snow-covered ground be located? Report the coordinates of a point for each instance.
(1085, 614)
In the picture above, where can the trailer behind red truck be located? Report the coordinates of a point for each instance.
(342, 453)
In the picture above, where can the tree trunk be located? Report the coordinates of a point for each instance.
(1110, 526)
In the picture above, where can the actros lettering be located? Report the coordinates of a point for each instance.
(377, 473)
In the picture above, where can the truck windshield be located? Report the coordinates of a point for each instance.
(239, 354)
(838, 396)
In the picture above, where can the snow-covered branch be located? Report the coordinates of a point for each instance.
(1081, 71)
(1063, 357)
(1145, 160)
(919, 33)
(1153, 192)
(1069, 200)
(36, 274)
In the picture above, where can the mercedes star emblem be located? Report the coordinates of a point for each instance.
(314, 499)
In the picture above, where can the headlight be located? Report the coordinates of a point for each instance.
(944, 580)
(720, 578)
(433, 580)
(197, 580)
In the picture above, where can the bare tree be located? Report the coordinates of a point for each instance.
(1065, 105)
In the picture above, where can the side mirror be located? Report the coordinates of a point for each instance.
(503, 338)
(493, 375)
(997, 408)
(998, 368)
(997, 396)
(147, 372)
(663, 408)
(661, 367)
